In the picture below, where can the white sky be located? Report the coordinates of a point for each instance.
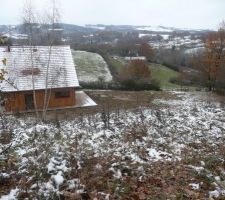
(174, 13)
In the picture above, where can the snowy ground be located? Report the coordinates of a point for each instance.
(91, 67)
(172, 150)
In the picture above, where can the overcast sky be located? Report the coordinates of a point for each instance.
(174, 13)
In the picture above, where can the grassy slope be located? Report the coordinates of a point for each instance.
(163, 74)
(159, 72)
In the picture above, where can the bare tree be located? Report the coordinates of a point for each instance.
(52, 18)
(48, 22)
(146, 50)
(211, 63)
(29, 19)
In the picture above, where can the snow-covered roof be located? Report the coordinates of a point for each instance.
(83, 100)
(23, 61)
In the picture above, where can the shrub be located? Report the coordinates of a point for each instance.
(131, 84)
(100, 85)
(136, 76)
(137, 70)
(128, 84)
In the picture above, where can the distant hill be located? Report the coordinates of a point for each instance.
(157, 29)
(91, 28)
(100, 34)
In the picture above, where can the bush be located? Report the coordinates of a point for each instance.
(136, 70)
(128, 84)
(94, 85)
(98, 85)
(131, 84)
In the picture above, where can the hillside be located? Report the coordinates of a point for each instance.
(156, 36)
(90, 67)
(160, 73)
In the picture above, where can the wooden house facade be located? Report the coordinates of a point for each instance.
(33, 72)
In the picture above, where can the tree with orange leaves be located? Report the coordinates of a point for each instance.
(137, 70)
(137, 76)
(211, 63)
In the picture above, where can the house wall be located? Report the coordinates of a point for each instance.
(16, 100)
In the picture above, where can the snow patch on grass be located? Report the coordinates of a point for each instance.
(91, 67)
(138, 137)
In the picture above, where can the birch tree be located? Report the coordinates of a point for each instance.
(29, 19)
(53, 18)
(48, 22)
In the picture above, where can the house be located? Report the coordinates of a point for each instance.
(135, 58)
(39, 70)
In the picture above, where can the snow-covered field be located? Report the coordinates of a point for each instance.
(155, 29)
(178, 42)
(168, 41)
(91, 67)
(172, 150)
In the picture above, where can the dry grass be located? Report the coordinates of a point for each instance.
(168, 178)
